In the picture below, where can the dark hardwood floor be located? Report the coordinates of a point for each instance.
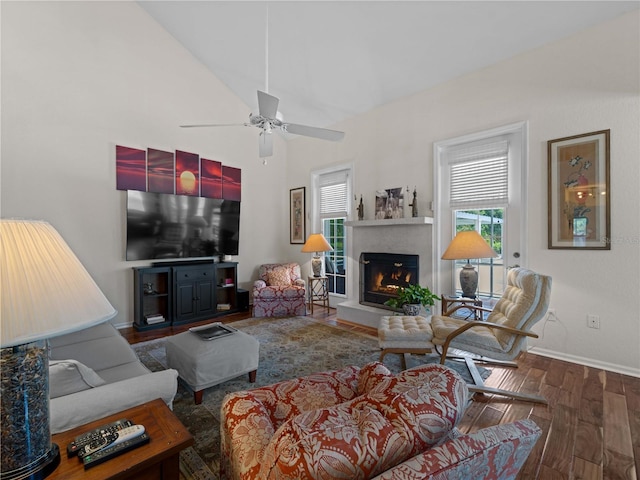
(591, 426)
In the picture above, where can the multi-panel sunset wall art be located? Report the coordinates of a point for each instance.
(180, 173)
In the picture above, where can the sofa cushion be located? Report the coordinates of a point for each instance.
(279, 277)
(399, 417)
(371, 375)
(100, 347)
(124, 371)
(71, 376)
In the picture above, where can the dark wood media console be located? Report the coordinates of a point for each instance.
(175, 294)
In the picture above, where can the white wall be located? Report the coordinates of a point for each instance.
(585, 83)
(79, 78)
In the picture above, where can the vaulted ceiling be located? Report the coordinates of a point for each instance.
(329, 60)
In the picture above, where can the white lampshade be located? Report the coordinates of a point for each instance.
(44, 289)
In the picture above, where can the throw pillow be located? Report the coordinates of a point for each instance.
(399, 418)
(70, 376)
(279, 277)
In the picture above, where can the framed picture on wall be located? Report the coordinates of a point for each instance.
(579, 192)
(297, 230)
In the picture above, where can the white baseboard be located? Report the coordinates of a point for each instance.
(120, 326)
(589, 362)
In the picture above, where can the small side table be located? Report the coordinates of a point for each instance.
(450, 301)
(159, 459)
(318, 291)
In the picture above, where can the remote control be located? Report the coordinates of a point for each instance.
(97, 444)
(81, 441)
(128, 433)
(111, 439)
(111, 451)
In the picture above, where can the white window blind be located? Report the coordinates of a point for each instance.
(478, 174)
(333, 194)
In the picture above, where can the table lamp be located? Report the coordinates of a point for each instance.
(44, 292)
(468, 245)
(316, 243)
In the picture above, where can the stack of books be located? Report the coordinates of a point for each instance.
(224, 306)
(153, 319)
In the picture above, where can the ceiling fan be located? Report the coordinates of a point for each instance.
(268, 118)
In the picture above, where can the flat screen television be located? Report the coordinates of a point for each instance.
(163, 226)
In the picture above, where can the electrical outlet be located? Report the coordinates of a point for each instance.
(593, 321)
(551, 315)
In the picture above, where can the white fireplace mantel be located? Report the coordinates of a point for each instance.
(390, 222)
(413, 236)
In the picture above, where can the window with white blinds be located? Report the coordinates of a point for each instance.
(478, 174)
(333, 194)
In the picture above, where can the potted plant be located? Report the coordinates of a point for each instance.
(411, 298)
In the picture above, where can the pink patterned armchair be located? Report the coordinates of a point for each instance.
(279, 291)
(366, 423)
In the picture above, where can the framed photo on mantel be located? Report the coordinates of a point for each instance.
(297, 230)
(579, 192)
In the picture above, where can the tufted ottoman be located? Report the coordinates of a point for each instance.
(404, 335)
(204, 363)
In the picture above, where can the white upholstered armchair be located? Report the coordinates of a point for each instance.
(504, 334)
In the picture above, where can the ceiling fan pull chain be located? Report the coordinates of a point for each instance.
(266, 52)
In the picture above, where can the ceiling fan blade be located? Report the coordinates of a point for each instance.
(322, 133)
(265, 144)
(216, 125)
(267, 105)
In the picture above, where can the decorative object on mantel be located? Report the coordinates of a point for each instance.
(316, 243)
(468, 244)
(579, 192)
(389, 203)
(414, 203)
(46, 292)
(297, 227)
(412, 298)
(360, 209)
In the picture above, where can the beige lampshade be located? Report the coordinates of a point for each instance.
(468, 245)
(44, 289)
(316, 243)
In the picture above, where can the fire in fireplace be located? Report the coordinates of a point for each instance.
(382, 274)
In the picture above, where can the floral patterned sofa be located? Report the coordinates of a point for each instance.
(359, 423)
(279, 291)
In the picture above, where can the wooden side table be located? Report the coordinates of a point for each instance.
(450, 301)
(158, 459)
(318, 291)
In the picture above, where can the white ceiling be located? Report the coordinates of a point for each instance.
(329, 60)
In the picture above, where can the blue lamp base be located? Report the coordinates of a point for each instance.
(27, 451)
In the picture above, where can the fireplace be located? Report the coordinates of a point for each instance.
(382, 274)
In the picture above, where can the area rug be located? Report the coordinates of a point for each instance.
(289, 348)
